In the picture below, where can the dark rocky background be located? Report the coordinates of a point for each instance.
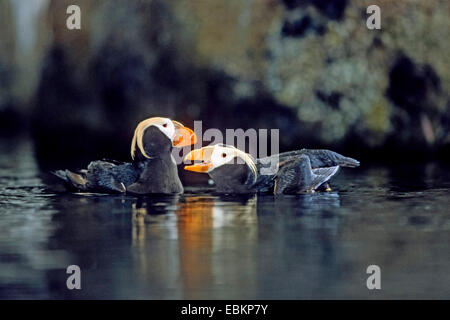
(308, 67)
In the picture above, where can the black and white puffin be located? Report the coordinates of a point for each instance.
(234, 171)
(153, 169)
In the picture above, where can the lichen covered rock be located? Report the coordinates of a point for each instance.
(311, 68)
(318, 58)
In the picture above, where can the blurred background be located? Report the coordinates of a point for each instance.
(308, 67)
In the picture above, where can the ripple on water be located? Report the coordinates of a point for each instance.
(204, 245)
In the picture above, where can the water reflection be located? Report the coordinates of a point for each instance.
(203, 245)
(213, 244)
(23, 256)
(197, 227)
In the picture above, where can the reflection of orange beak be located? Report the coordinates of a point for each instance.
(183, 136)
(203, 155)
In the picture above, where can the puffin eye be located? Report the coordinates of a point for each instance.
(165, 125)
(224, 155)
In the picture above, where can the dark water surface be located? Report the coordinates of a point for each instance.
(204, 246)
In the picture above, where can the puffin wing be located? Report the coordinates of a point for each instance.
(286, 176)
(319, 158)
(326, 158)
(99, 176)
(116, 162)
(297, 175)
(322, 175)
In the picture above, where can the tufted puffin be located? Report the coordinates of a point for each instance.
(153, 169)
(297, 171)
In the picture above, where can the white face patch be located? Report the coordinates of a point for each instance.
(220, 156)
(166, 126)
(223, 154)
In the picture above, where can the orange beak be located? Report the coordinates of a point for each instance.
(183, 136)
(203, 155)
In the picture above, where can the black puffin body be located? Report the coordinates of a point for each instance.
(295, 171)
(234, 178)
(153, 169)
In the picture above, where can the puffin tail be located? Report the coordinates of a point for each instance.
(71, 179)
(60, 174)
(348, 162)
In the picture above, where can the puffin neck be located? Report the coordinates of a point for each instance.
(251, 176)
(165, 156)
(233, 176)
(155, 144)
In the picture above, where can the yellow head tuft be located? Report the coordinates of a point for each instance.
(139, 135)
